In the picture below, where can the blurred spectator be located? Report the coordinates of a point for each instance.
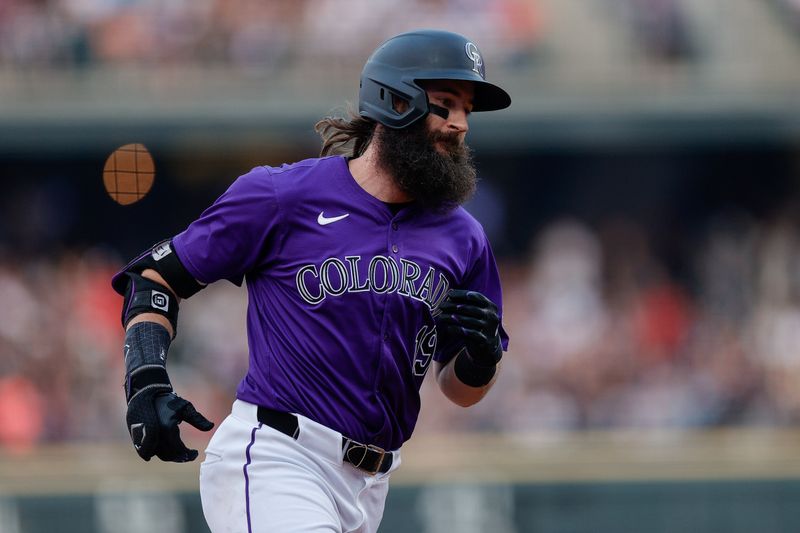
(790, 11)
(21, 414)
(660, 27)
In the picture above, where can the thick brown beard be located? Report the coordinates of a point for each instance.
(436, 180)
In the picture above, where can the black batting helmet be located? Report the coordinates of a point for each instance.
(399, 63)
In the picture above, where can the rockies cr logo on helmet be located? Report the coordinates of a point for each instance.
(477, 62)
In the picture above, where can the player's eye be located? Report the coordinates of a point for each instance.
(448, 103)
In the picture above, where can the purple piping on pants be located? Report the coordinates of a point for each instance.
(247, 478)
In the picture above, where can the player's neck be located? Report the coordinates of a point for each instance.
(375, 179)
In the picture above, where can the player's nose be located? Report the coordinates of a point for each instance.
(457, 121)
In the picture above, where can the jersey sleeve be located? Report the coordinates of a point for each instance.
(235, 233)
(482, 277)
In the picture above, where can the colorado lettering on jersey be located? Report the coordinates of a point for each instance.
(335, 277)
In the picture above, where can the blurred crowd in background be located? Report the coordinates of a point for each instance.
(253, 33)
(250, 33)
(604, 334)
(268, 37)
(601, 337)
(604, 337)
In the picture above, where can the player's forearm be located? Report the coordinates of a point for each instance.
(459, 392)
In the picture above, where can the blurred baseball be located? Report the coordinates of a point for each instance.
(129, 173)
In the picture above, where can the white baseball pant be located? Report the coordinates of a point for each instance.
(255, 479)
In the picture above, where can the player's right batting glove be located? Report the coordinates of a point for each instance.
(472, 317)
(154, 410)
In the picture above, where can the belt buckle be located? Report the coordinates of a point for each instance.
(382, 453)
(366, 447)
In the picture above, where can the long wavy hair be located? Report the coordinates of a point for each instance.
(348, 136)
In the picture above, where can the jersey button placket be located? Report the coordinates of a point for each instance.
(393, 237)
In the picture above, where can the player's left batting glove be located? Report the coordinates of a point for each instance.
(473, 317)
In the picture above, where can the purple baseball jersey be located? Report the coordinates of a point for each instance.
(341, 292)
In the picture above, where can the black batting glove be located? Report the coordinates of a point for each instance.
(473, 318)
(154, 413)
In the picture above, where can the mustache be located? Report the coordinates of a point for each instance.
(451, 140)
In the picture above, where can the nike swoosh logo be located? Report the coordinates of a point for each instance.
(322, 220)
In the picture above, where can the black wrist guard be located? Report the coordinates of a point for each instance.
(470, 373)
(146, 345)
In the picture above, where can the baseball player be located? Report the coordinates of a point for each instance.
(362, 271)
